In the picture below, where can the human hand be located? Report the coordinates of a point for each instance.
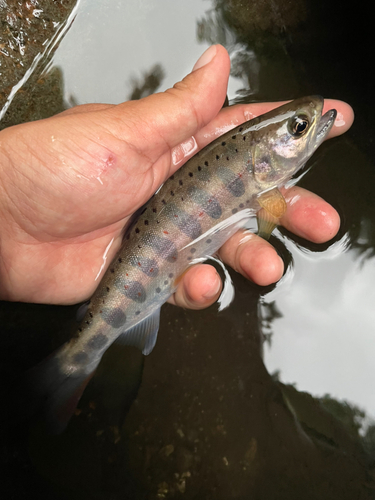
(68, 185)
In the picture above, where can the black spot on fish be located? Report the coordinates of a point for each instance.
(158, 290)
(131, 289)
(234, 211)
(166, 282)
(136, 230)
(114, 317)
(227, 158)
(208, 241)
(217, 157)
(190, 257)
(80, 330)
(184, 221)
(240, 129)
(180, 183)
(172, 177)
(137, 313)
(241, 205)
(154, 210)
(163, 201)
(206, 163)
(193, 250)
(199, 169)
(170, 275)
(120, 260)
(107, 287)
(97, 341)
(163, 247)
(172, 193)
(236, 150)
(148, 266)
(112, 270)
(207, 202)
(232, 182)
(90, 314)
(223, 143)
(80, 357)
(244, 138)
(191, 174)
(233, 136)
(146, 222)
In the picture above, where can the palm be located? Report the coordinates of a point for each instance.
(63, 233)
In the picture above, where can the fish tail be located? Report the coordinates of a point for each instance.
(52, 394)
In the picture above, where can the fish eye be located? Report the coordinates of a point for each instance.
(299, 125)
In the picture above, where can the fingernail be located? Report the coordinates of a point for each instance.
(206, 57)
(215, 290)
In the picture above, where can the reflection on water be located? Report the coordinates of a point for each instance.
(150, 82)
(203, 417)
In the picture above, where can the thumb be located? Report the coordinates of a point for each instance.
(179, 112)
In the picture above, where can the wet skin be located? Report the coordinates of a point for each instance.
(69, 184)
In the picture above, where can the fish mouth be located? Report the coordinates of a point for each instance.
(324, 126)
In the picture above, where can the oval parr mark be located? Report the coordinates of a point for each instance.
(97, 341)
(232, 181)
(148, 266)
(184, 221)
(114, 317)
(162, 246)
(206, 201)
(236, 187)
(131, 289)
(80, 358)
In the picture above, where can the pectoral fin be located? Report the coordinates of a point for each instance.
(273, 208)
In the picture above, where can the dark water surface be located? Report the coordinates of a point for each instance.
(272, 398)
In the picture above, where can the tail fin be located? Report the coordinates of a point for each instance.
(53, 394)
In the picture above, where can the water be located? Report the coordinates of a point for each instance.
(203, 417)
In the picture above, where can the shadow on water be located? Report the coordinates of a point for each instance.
(202, 417)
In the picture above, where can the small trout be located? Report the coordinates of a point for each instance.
(197, 209)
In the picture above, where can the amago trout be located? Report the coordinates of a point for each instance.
(190, 217)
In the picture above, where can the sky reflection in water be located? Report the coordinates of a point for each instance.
(324, 341)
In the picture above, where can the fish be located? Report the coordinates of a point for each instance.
(212, 196)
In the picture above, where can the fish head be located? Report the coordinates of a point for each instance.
(286, 137)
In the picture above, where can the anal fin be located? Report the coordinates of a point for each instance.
(144, 334)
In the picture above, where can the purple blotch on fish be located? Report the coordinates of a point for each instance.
(162, 246)
(209, 203)
(184, 221)
(148, 266)
(97, 342)
(114, 317)
(232, 181)
(80, 357)
(131, 289)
